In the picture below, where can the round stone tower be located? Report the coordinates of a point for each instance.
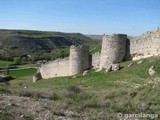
(113, 49)
(75, 60)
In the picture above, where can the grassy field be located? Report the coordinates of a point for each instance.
(23, 73)
(98, 95)
(5, 63)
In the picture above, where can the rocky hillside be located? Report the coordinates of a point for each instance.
(17, 42)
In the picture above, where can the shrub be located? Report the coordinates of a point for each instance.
(17, 60)
(74, 89)
(4, 91)
(26, 93)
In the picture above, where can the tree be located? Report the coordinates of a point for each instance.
(34, 58)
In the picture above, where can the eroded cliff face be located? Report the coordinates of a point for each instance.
(146, 45)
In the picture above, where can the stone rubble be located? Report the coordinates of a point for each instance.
(152, 70)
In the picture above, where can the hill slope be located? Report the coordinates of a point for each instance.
(97, 95)
(18, 42)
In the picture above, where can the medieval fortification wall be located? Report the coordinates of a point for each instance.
(96, 60)
(56, 68)
(146, 45)
(77, 62)
(115, 49)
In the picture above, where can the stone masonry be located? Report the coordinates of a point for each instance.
(77, 62)
(115, 49)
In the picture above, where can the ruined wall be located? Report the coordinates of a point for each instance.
(56, 68)
(113, 49)
(96, 60)
(146, 45)
(85, 57)
(77, 62)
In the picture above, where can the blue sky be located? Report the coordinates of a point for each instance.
(132, 17)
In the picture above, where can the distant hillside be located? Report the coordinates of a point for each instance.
(100, 37)
(18, 42)
(95, 37)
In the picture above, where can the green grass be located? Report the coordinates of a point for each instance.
(94, 47)
(5, 63)
(60, 53)
(22, 73)
(99, 94)
(28, 65)
(64, 52)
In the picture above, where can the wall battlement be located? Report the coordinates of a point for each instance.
(146, 45)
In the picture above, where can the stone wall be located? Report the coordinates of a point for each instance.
(113, 49)
(77, 62)
(56, 68)
(146, 45)
(96, 60)
(85, 57)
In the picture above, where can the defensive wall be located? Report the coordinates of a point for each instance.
(77, 62)
(115, 49)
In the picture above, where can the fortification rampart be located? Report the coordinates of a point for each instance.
(113, 49)
(55, 68)
(96, 60)
(77, 62)
(85, 57)
(146, 45)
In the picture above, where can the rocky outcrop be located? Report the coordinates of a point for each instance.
(116, 67)
(152, 70)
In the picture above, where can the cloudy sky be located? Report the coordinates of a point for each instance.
(132, 17)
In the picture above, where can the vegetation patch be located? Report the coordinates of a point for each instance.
(5, 63)
(98, 95)
(23, 73)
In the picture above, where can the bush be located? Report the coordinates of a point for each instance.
(17, 60)
(26, 93)
(74, 89)
(37, 95)
(4, 91)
